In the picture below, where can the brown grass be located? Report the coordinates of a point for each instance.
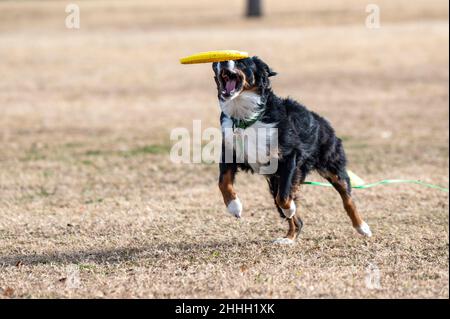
(85, 178)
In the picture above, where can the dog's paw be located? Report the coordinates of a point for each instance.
(364, 230)
(235, 207)
(290, 212)
(283, 241)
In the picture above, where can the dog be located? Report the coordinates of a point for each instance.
(306, 142)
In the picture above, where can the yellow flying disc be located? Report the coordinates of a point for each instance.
(214, 56)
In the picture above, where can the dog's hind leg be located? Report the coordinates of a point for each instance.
(283, 189)
(341, 182)
(226, 180)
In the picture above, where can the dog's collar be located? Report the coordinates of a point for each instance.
(243, 124)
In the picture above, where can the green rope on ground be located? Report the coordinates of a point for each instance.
(386, 181)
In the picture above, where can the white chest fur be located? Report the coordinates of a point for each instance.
(244, 106)
(256, 145)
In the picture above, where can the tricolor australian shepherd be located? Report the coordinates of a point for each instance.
(305, 142)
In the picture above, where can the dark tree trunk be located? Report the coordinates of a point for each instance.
(254, 8)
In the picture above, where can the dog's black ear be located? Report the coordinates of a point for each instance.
(263, 67)
(214, 66)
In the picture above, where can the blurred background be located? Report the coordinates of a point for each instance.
(85, 119)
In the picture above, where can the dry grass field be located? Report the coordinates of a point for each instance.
(92, 206)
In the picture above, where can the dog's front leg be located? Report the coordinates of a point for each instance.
(226, 180)
(284, 199)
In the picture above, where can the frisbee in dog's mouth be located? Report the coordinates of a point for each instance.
(231, 82)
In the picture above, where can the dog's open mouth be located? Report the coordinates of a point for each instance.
(231, 83)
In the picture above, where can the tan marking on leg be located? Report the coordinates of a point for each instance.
(226, 187)
(293, 229)
(283, 203)
(350, 208)
(347, 200)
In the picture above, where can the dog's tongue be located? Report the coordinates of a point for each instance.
(230, 86)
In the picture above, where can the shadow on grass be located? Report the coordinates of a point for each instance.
(124, 254)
